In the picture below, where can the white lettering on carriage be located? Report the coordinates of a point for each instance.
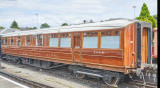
(98, 52)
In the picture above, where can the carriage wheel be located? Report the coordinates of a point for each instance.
(18, 61)
(113, 81)
(80, 75)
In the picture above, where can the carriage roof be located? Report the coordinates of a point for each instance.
(109, 24)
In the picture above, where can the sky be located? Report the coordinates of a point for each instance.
(57, 12)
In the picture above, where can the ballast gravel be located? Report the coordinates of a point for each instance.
(53, 80)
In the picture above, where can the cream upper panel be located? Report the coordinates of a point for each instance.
(111, 24)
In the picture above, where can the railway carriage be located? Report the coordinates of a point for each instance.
(111, 49)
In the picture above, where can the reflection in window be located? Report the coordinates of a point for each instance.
(18, 41)
(39, 40)
(110, 39)
(2, 41)
(27, 40)
(11, 41)
(53, 40)
(65, 40)
(90, 40)
(5, 41)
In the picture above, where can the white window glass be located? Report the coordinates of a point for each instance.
(110, 39)
(65, 42)
(110, 42)
(90, 42)
(53, 42)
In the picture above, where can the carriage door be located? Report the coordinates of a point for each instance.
(77, 47)
(144, 45)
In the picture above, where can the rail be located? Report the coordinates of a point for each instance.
(142, 84)
(27, 82)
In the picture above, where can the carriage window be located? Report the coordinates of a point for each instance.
(11, 41)
(18, 41)
(27, 40)
(5, 41)
(39, 40)
(2, 42)
(110, 39)
(53, 40)
(90, 40)
(77, 40)
(65, 40)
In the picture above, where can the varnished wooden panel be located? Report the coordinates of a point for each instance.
(130, 46)
(121, 45)
(102, 60)
(8, 39)
(144, 45)
(22, 40)
(15, 39)
(131, 57)
(77, 58)
(96, 57)
(106, 57)
(103, 52)
(126, 49)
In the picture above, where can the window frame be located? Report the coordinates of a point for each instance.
(51, 36)
(64, 35)
(2, 41)
(37, 40)
(112, 33)
(26, 40)
(11, 41)
(95, 35)
(5, 41)
(77, 40)
(18, 39)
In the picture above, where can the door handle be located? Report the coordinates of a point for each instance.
(133, 53)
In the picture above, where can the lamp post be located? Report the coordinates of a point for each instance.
(134, 11)
(37, 20)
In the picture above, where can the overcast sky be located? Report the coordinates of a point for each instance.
(56, 12)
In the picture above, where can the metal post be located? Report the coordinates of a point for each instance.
(37, 20)
(134, 11)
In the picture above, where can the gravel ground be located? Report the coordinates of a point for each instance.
(57, 78)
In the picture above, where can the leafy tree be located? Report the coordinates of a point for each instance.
(64, 24)
(14, 25)
(1, 27)
(155, 17)
(146, 17)
(34, 28)
(45, 25)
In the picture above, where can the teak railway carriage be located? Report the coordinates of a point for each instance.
(111, 49)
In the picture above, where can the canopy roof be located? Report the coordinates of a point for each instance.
(108, 24)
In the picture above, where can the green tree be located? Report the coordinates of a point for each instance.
(146, 17)
(44, 25)
(155, 17)
(34, 27)
(64, 24)
(14, 25)
(1, 27)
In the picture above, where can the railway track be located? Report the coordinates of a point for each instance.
(97, 83)
(29, 83)
(141, 84)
